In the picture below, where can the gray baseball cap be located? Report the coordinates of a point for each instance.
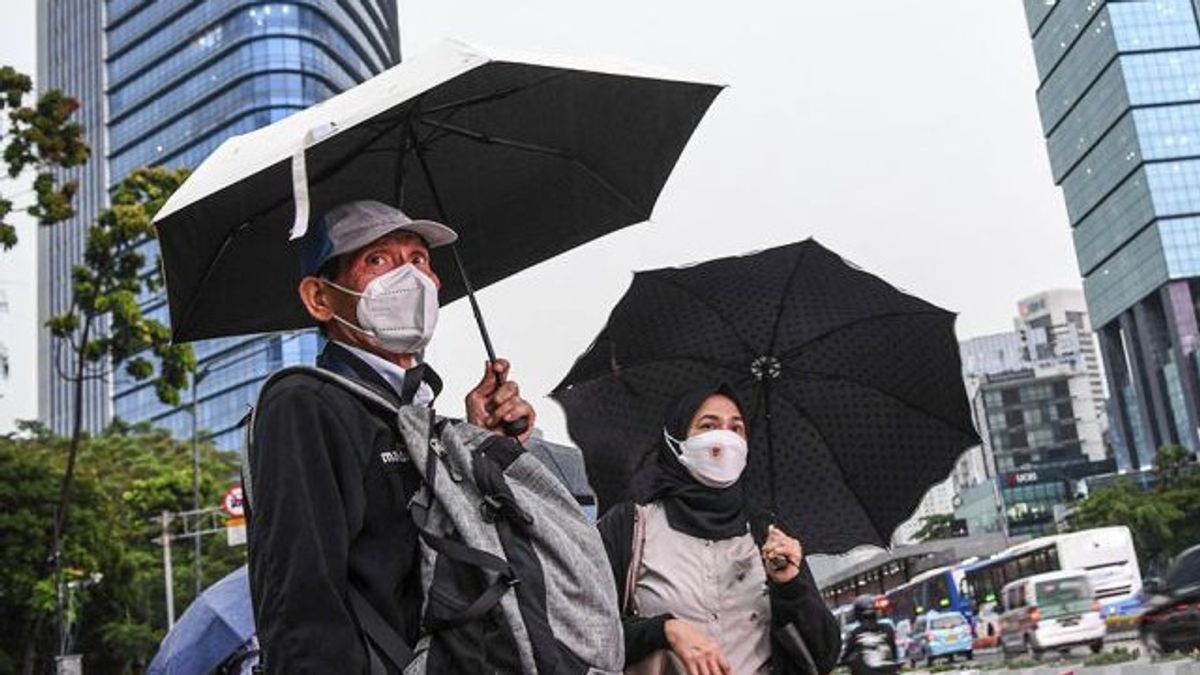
(350, 226)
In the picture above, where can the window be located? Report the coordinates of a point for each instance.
(949, 621)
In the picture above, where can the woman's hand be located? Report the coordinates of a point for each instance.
(779, 545)
(696, 648)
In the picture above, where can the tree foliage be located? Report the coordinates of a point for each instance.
(127, 477)
(40, 136)
(1164, 520)
(111, 284)
(937, 526)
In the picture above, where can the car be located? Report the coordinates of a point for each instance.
(1171, 618)
(938, 635)
(1051, 611)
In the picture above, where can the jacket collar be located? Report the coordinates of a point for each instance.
(338, 359)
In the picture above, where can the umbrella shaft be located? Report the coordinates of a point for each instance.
(483, 331)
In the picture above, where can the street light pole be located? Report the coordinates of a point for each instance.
(197, 377)
(168, 571)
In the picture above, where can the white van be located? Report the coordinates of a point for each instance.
(1056, 610)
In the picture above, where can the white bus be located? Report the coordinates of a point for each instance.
(1106, 554)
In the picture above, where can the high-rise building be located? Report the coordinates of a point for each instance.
(71, 58)
(1119, 98)
(1037, 395)
(179, 77)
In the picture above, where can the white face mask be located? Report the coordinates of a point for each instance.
(696, 453)
(398, 310)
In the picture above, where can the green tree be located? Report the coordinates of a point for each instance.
(1163, 521)
(40, 136)
(104, 327)
(105, 324)
(127, 477)
(937, 526)
(1169, 465)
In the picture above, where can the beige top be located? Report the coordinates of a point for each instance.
(718, 585)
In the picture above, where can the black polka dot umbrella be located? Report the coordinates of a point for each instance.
(854, 388)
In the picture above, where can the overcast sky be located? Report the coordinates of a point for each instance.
(902, 135)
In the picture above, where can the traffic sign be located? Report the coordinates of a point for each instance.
(233, 502)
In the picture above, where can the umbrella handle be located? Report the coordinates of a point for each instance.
(516, 427)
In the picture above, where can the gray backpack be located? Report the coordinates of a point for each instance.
(514, 576)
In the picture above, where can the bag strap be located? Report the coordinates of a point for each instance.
(638, 546)
(793, 643)
(360, 390)
(380, 636)
(506, 578)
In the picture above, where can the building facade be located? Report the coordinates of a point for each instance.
(1119, 99)
(71, 58)
(180, 77)
(1037, 395)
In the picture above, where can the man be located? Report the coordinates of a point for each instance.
(871, 647)
(321, 522)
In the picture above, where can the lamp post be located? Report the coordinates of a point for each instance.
(197, 377)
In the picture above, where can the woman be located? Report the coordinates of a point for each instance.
(698, 595)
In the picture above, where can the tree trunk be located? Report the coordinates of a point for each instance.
(53, 561)
(64, 494)
(29, 660)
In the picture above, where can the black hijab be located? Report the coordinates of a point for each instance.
(692, 507)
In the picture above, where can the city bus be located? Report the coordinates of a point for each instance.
(1106, 554)
(939, 589)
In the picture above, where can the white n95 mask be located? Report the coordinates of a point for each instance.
(696, 453)
(398, 310)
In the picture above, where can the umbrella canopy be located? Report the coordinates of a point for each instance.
(212, 629)
(526, 158)
(854, 388)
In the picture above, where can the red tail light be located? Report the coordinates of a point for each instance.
(1095, 605)
(1181, 607)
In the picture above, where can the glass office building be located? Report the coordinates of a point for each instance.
(70, 58)
(1119, 98)
(180, 77)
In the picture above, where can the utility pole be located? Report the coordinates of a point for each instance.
(168, 578)
(197, 569)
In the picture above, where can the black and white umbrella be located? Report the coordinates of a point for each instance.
(525, 157)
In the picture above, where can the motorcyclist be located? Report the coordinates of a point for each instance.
(870, 647)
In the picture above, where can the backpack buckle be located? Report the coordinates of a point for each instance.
(489, 508)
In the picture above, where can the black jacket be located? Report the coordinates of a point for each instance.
(797, 602)
(319, 522)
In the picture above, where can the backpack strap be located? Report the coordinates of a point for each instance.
(363, 392)
(637, 547)
(381, 637)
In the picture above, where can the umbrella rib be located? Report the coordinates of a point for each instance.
(191, 306)
(796, 350)
(894, 397)
(804, 414)
(787, 287)
(495, 95)
(622, 368)
(725, 320)
(488, 139)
